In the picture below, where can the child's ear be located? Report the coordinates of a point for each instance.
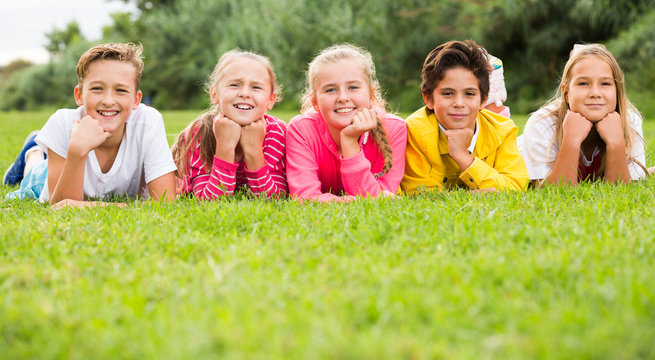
(314, 103)
(213, 95)
(77, 93)
(271, 102)
(427, 99)
(137, 100)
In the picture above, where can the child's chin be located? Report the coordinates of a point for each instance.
(244, 122)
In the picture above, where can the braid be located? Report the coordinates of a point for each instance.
(380, 137)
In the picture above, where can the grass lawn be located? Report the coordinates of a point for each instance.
(555, 273)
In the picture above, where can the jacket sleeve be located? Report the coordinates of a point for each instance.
(221, 181)
(417, 166)
(302, 168)
(356, 173)
(507, 173)
(270, 179)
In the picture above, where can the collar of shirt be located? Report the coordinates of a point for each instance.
(474, 139)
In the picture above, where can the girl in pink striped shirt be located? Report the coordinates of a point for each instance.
(235, 144)
(344, 144)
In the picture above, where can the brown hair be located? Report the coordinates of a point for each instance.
(364, 60)
(127, 53)
(623, 105)
(205, 122)
(453, 54)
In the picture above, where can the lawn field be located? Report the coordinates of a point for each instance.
(553, 273)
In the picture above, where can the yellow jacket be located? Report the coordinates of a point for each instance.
(428, 164)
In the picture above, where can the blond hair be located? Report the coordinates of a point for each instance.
(128, 53)
(364, 60)
(623, 105)
(205, 122)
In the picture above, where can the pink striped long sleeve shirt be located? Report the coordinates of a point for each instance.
(316, 171)
(224, 177)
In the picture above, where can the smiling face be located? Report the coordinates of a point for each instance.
(108, 93)
(456, 100)
(245, 92)
(591, 90)
(341, 89)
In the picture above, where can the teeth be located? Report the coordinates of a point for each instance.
(243, 107)
(344, 110)
(107, 113)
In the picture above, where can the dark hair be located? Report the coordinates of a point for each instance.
(454, 54)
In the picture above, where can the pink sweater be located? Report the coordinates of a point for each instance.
(315, 170)
(225, 177)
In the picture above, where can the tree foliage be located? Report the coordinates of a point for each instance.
(184, 39)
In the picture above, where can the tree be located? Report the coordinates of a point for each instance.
(60, 40)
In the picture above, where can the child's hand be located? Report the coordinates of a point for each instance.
(575, 127)
(87, 134)
(227, 134)
(363, 121)
(610, 130)
(458, 142)
(252, 136)
(252, 143)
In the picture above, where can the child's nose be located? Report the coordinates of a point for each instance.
(244, 91)
(341, 95)
(459, 100)
(108, 98)
(595, 90)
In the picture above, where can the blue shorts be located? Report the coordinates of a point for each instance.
(32, 184)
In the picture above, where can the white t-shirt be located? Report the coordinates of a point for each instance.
(143, 155)
(538, 135)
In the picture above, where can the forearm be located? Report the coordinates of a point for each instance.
(262, 182)
(254, 159)
(616, 165)
(510, 174)
(163, 188)
(357, 178)
(70, 184)
(220, 182)
(84, 204)
(565, 169)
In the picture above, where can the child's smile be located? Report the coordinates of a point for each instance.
(245, 93)
(108, 94)
(341, 89)
(592, 91)
(456, 99)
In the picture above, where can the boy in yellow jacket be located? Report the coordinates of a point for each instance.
(452, 141)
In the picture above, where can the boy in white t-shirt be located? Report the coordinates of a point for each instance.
(110, 146)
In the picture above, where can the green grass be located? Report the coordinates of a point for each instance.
(556, 273)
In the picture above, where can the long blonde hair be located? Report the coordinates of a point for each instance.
(364, 60)
(623, 106)
(186, 139)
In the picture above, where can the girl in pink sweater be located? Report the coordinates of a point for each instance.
(344, 144)
(235, 144)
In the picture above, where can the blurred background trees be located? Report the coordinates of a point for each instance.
(183, 40)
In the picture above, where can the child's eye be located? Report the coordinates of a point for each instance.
(607, 83)
(353, 87)
(470, 93)
(96, 88)
(233, 85)
(121, 90)
(330, 90)
(446, 93)
(582, 83)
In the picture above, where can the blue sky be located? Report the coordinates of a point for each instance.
(24, 23)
